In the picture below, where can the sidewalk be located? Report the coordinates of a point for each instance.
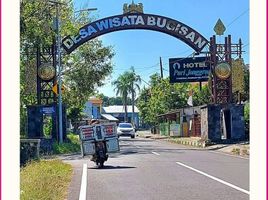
(240, 149)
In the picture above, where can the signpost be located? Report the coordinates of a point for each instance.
(188, 69)
(48, 110)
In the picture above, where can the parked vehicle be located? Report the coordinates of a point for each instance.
(125, 129)
(99, 140)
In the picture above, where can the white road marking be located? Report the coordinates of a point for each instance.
(155, 153)
(83, 189)
(214, 178)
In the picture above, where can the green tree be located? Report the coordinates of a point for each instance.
(201, 97)
(83, 70)
(142, 104)
(122, 88)
(134, 80)
(161, 97)
(111, 101)
(128, 83)
(86, 71)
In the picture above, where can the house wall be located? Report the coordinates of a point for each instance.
(93, 109)
(212, 123)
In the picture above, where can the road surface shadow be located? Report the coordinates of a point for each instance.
(111, 167)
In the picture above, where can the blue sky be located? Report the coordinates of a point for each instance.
(143, 48)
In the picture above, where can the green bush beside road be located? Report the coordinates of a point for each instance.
(71, 146)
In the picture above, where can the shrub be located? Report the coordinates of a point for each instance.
(72, 145)
(246, 112)
(28, 150)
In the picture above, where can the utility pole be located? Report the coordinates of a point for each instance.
(132, 99)
(57, 3)
(59, 69)
(161, 68)
(200, 85)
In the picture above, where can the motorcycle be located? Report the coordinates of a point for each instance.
(98, 141)
(100, 155)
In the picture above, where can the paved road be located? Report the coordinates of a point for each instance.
(154, 170)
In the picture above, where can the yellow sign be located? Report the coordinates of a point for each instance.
(223, 70)
(238, 75)
(55, 88)
(219, 28)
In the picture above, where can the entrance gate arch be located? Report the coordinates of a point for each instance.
(134, 21)
(218, 56)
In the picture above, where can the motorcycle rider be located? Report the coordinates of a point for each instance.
(100, 156)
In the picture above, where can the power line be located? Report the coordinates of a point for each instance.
(180, 59)
(238, 17)
(138, 68)
(177, 53)
(244, 45)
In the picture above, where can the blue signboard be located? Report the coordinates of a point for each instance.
(48, 110)
(136, 21)
(188, 69)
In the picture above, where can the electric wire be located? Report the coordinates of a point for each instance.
(237, 17)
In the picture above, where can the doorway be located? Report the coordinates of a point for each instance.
(226, 124)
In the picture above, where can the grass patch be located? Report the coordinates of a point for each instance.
(71, 146)
(45, 180)
(236, 151)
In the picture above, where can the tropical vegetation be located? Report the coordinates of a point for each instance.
(83, 70)
(127, 83)
(110, 101)
(160, 97)
(71, 146)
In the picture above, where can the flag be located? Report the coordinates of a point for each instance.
(190, 101)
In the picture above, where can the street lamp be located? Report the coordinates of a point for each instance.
(58, 61)
(57, 3)
(88, 9)
(58, 56)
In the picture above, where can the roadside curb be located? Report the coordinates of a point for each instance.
(187, 143)
(231, 149)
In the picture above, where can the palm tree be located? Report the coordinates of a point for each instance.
(134, 83)
(122, 87)
(127, 83)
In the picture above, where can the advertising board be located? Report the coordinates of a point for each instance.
(188, 69)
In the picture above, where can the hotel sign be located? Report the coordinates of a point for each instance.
(136, 21)
(188, 69)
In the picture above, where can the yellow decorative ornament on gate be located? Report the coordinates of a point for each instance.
(223, 70)
(46, 72)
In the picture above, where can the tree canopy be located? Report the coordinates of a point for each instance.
(161, 96)
(83, 70)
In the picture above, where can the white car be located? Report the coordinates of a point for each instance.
(125, 129)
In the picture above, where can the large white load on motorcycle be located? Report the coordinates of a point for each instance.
(90, 134)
